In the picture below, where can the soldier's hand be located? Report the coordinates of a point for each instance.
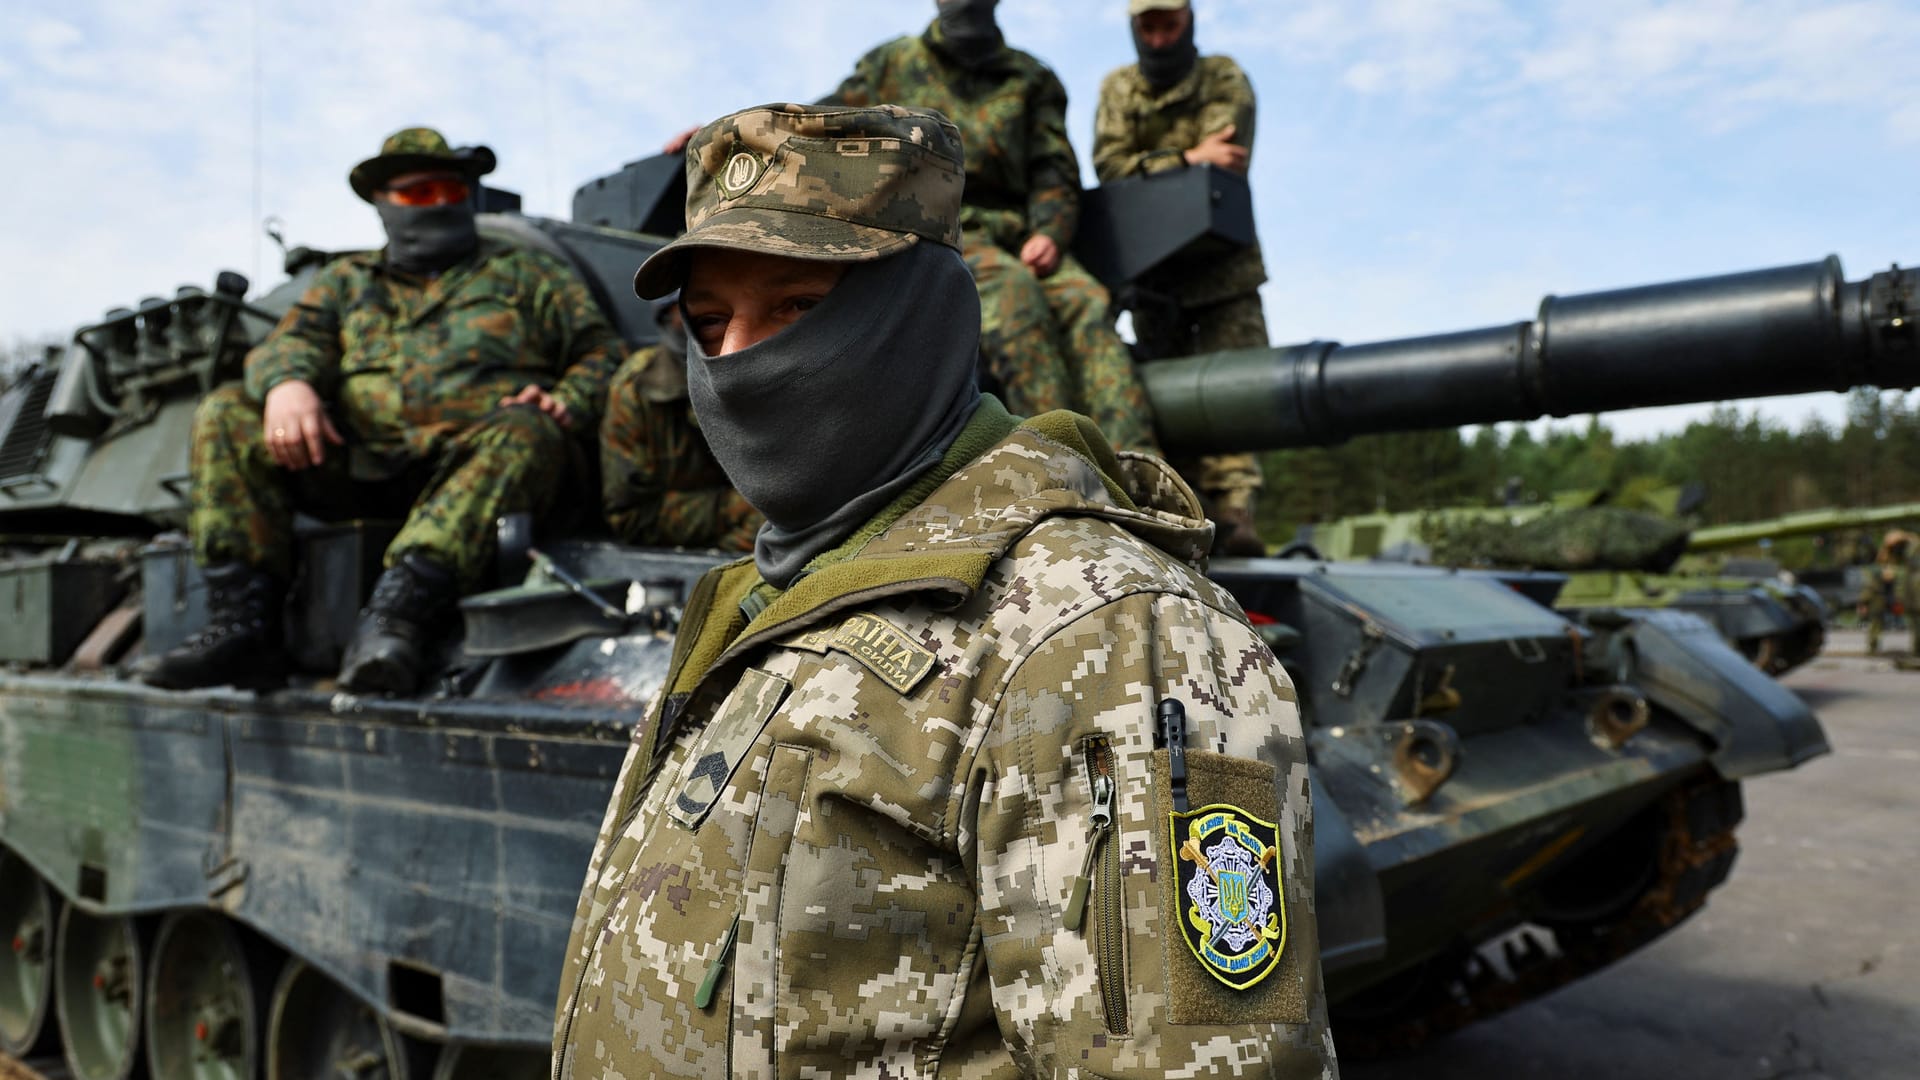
(1218, 149)
(1041, 254)
(679, 140)
(540, 399)
(296, 426)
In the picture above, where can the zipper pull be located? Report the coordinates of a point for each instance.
(1173, 735)
(703, 997)
(1076, 914)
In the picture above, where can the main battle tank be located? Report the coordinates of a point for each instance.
(1613, 557)
(312, 883)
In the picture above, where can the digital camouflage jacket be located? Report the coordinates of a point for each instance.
(1137, 131)
(660, 482)
(409, 361)
(908, 819)
(1022, 175)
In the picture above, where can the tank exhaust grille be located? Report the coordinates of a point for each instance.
(26, 440)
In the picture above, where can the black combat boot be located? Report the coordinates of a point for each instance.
(241, 645)
(411, 604)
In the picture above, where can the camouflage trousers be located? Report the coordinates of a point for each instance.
(1167, 330)
(243, 503)
(1050, 342)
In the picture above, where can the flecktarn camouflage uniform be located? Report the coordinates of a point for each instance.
(860, 833)
(1049, 341)
(659, 482)
(415, 369)
(1205, 304)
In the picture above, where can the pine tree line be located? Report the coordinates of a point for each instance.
(1752, 468)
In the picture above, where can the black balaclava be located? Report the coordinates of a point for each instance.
(826, 422)
(968, 30)
(428, 239)
(1165, 66)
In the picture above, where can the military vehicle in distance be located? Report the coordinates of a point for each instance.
(308, 883)
(1617, 557)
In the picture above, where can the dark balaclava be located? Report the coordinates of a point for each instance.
(969, 31)
(825, 423)
(1165, 66)
(428, 239)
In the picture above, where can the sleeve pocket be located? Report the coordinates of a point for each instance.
(1234, 956)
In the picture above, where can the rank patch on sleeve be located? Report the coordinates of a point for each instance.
(1231, 913)
(880, 647)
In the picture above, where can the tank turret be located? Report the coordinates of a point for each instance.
(1762, 333)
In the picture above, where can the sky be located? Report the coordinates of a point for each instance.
(1420, 166)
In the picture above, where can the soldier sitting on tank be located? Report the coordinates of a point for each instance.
(1047, 331)
(659, 481)
(1173, 109)
(436, 379)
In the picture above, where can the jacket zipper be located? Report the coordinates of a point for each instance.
(1100, 876)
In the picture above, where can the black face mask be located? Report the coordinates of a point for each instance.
(1167, 65)
(968, 30)
(821, 425)
(428, 239)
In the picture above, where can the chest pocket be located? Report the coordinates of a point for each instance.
(723, 746)
(366, 335)
(487, 331)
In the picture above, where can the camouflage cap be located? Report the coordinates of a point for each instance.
(813, 182)
(1139, 7)
(417, 149)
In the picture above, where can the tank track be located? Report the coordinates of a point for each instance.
(1696, 853)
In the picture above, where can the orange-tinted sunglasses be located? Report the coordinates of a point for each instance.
(438, 191)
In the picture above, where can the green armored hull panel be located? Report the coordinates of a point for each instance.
(48, 605)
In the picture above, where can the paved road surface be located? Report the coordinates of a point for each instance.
(1805, 965)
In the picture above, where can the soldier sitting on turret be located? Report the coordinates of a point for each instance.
(659, 481)
(438, 379)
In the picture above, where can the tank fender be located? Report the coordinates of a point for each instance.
(1681, 663)
(1346, 891)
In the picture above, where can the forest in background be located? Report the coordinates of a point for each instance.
(1752, 468)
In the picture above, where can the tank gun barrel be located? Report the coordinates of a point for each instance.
(1787, 330)
(1720, 537)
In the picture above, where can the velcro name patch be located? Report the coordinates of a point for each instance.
(885, 650)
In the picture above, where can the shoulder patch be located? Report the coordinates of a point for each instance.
(1232, 914)
(883, 649)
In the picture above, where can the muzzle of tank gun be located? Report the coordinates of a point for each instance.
(1788, 330)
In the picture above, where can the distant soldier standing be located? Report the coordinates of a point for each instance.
(1173, 109)
(1047, 331)
(437, 379)
(659, 481)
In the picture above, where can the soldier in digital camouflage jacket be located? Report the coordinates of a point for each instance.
(1047, 337)
(906, 816)
(1147, 124)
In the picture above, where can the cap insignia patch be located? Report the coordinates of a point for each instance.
(741, 171)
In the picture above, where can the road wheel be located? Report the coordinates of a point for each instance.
(27, 926)
(204, 1011)
(98, 990)
(320, 1032)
